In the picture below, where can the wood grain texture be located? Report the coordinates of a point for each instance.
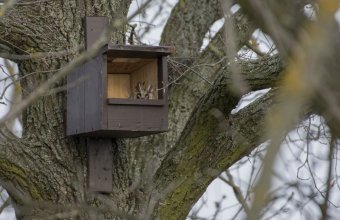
(100, 163)
(137, 118)
(118, 86)
(95, 26)
(126, 65)
(75, 102)
(130, 50)
(148, 102)
(93, 94)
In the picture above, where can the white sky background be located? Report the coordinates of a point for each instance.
(151, 22)
(291, 157)
(8, 72)
(5, 81)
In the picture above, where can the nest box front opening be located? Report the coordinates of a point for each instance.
(133, 78)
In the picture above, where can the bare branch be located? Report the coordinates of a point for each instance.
(237, 191)
(204, 151)
(190, 28)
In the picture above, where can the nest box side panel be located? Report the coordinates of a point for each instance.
(103, 92)
(93, 89)
(75, 102)
(163, 78)
(163, 94)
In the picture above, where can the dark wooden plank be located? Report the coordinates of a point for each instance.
(100, 162)
(161, 50)
(122, 117)
(103, 93)
(166, 92)
(137, 118)
(93, 94)
(94, 27)
(163, 66)
(132, 54)
(131, 51)
(154, 102)
(121, 133)
(164, 63)
(75, 102)
(160, 76)
(154, 119)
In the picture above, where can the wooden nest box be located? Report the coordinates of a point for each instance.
(122, 92)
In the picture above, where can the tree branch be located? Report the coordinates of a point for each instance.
(272, 18)
(189, 22)
(184, 95)
(205, 151)
(216, 143)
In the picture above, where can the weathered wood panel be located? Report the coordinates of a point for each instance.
(163, 78)
(132, 118)
(94, 26)
(139, 51)
(103, 93)
(100, 164)
(93, 94)
(120, 134)
(126, 65)
(118, 86)
(132, 102)
(75, 101)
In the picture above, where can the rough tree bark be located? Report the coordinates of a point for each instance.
(157, 177)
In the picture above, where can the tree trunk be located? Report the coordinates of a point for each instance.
(50, 168)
